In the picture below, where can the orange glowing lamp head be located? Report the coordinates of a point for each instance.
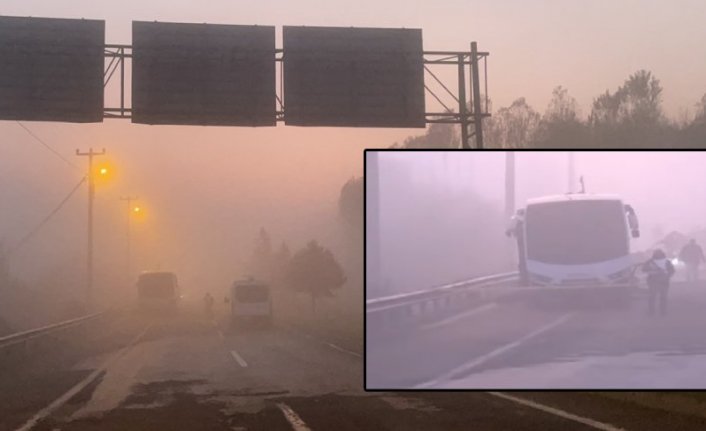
(103, 172)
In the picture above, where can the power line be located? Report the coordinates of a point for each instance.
(47, 146)
(29, 236)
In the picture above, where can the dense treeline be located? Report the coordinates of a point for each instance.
(312, 270)
(629, 117)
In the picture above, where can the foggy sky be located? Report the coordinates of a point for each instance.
(665, 187)
(587, 46)
(197, 183)
(455, 201)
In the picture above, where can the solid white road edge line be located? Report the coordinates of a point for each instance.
(460, 316)
(341, 349)
(238, 359)
(497, 352)
(557, 412)
(294, 420)
(46, 411)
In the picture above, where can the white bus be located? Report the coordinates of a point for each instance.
(250, 300)
(575, 240)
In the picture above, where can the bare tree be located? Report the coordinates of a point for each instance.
(513, 126)
(436, 136)
(561, 126)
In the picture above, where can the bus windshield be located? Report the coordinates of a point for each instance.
(249, 293)
(576, 232)
(156, 285)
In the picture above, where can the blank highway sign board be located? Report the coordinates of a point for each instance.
(51, 69)
(203, 74)
(353, 77)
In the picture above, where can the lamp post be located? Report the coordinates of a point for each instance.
(130, 211)
(103, 171)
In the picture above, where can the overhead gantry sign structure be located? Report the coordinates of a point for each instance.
(234, 75)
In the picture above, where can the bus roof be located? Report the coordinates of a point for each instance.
(147, 273)
(248, 282)
(573, 197)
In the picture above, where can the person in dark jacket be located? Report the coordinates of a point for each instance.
(659, 270)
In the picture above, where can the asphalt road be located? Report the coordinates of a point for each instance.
(532, 344)
(189, 372)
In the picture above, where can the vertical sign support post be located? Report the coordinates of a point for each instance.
(462, 102)
(477, 114)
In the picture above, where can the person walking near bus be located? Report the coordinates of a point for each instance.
(659, 270)
(692, 255)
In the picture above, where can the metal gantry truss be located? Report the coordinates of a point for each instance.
(466, 62)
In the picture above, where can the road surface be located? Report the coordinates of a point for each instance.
(529, 344)
(189, 372)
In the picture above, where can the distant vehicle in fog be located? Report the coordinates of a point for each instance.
(158, 291)
(575, 240)
(250, 302)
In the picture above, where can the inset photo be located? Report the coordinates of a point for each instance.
(535, 270)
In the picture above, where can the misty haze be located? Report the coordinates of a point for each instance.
(535, 270)
(183, 224)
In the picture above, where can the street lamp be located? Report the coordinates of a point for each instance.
(130, 211)
(91, 194)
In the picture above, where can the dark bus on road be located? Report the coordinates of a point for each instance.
(157, 291)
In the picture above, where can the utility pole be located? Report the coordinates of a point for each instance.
(509, 184)
(510, 202)
(91, 194)
(129, 200)
(572, 172)
(373, 241)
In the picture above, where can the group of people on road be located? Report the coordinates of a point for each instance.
(660, 270)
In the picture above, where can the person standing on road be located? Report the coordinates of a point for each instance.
(208, 304)
(692, 255)
(659, 270)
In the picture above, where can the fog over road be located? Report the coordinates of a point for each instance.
(192, 373)
(539, 342)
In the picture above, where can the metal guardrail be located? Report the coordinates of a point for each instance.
(412, 298)
(24, 336)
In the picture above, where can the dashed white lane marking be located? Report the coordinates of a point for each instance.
(294, 420)
(46, 411)
(238, 359)
(467, 367)
(220, 333)
(331, 345)
(341, 349)
(460, 316)
(558, 412)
